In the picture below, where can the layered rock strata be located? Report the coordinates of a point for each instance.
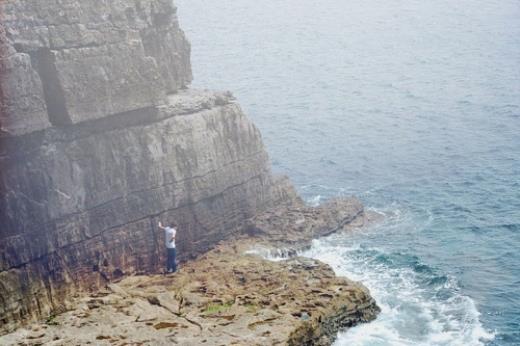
(100, 138)
(67, 61)
(80, 204)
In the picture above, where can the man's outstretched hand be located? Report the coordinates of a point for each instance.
(160, 224)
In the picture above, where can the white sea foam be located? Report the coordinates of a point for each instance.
(274, 255)
(411, 313)
(314, 201)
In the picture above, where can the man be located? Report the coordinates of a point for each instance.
(170, 232)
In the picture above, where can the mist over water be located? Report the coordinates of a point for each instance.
(414, 106)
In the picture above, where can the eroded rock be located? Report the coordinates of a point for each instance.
(99, 140)
(91, 59)
(223, 298)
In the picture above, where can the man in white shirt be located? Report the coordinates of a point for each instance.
(170, 232)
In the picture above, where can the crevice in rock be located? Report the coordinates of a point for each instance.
(152, 45)
(3, 106)
(24, 145)
(44, 61)
(155, 301)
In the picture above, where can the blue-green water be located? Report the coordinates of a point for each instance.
(414, 106)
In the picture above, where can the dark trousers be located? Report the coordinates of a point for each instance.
(170, 263)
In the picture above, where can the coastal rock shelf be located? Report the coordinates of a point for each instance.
(222, 298)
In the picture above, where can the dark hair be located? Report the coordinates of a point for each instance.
(173, 224)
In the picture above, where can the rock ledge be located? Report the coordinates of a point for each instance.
(226, 296)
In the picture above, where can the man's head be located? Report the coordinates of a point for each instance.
(173, 224)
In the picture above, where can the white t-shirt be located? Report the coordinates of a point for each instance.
(169, 234)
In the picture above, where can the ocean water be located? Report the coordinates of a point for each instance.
(414, 106)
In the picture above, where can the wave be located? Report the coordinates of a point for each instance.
(419, 305)
(270, 254)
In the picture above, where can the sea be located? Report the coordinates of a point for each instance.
(414, 107)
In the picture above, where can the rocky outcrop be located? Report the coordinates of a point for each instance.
(222, 298)
(88, 59)
(100, 139)
(295, 225)
(80, 204)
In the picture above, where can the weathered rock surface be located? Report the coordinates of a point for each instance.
(298, 224)
(22, 104)
(80, 204)
(99, 140)
(222, 298)
(89, 59)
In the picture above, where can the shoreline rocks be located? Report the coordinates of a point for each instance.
(225, 296)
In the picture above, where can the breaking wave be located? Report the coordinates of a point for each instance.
(420, 305)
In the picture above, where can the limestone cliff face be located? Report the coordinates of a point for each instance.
(100, 139)
(67, 61)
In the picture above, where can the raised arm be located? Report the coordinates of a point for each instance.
(160, 225)
(174, 233)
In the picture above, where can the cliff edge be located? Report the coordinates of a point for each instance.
(100, 138)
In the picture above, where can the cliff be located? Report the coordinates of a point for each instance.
(66, 62)
(100, 140)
